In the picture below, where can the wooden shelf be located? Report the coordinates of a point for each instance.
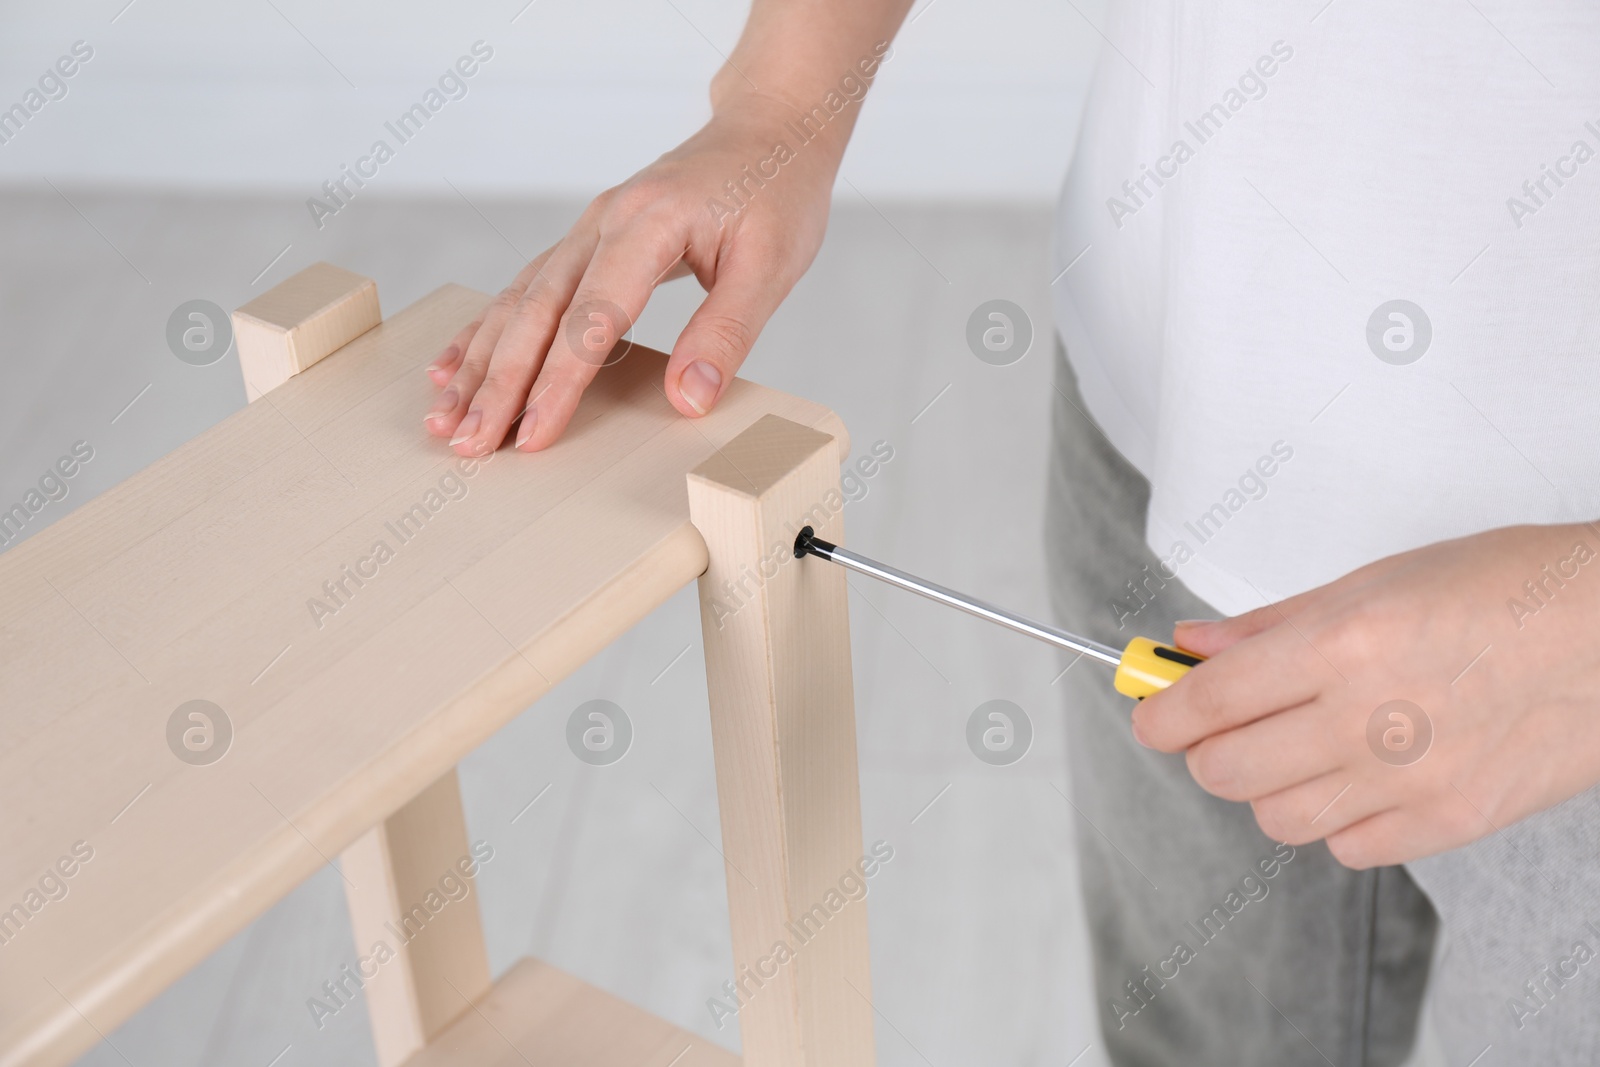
(196, 579)
(538, 1016)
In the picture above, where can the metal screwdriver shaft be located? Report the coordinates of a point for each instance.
(809, 543)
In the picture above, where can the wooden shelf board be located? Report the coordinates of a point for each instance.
(539, 1016)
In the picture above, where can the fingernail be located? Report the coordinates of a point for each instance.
(468, 427)
(1138, 734)
(442, 406)
(1191, 622)
(699, 385)
(530, 420)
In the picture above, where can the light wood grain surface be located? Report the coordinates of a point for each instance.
(777, 637)
(302, 320)
(223, 572)
(421, 958)
(539, 1016)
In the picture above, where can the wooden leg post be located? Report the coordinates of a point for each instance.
(409, 889)
(301, 320)
(777, 642)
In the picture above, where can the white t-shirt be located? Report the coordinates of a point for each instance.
(1232, 323)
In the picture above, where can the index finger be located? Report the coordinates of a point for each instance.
(1272, 671)
(612, 293)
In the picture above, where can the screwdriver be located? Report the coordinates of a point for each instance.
(1143, 667)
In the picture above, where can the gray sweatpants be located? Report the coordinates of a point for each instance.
(1215, 946)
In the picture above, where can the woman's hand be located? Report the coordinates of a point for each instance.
(541, 341)
(1486, 645)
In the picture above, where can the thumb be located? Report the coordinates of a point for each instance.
(1207, 638)
(717, 339)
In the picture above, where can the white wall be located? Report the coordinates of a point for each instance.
(980, 100)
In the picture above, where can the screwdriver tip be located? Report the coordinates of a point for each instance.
(808, 543)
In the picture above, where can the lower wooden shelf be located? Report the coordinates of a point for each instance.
(540, 1016)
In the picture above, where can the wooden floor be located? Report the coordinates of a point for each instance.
(612, 873)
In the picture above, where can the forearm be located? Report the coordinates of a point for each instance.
(794, 53)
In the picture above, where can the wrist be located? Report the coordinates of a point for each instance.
(773, 128)
(794, 105)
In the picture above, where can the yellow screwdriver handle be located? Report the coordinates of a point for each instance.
(1148, 667)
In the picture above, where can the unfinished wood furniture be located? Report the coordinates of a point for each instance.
(200, 579)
